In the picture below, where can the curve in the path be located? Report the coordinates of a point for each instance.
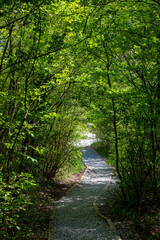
(75, 217)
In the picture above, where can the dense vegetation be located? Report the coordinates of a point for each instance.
(65, 61)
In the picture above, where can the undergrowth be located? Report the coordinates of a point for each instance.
(26, 204)
(145, 219)
(70, 168)
(104, 151)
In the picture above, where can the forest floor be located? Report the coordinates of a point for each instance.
(144, 227)
(144, 221)
(46, 195)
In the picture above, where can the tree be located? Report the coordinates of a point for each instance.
(39, 111)
(124, 78)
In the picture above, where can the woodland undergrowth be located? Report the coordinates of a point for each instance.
(143, 218)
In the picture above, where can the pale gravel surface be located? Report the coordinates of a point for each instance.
(122, 230)
(75, 217)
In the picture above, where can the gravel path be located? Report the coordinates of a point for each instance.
(75, 217)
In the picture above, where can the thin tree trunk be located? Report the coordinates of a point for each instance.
(115, 125)
(14, 143)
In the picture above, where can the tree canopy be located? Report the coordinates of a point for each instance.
(66, 62)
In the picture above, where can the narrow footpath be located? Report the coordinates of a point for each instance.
(75, 217)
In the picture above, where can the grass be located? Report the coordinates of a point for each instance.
(70, 169)
(103, 150)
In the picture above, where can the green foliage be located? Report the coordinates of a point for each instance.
(64, 60)
(39, 109)
(103, 150)
(15, 200)
(124, 81)
(72, 167)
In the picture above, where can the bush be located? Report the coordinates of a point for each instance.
(14, 200)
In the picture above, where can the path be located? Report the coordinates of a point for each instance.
(75, 217)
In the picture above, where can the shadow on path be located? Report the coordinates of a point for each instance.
(75, 217)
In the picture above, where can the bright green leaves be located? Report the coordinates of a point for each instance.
(121, 86)
(38, 69)
(13, 203)
(60, 56)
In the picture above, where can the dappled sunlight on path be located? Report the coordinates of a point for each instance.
(75, 216)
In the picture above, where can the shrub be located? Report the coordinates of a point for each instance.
(14, 200)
